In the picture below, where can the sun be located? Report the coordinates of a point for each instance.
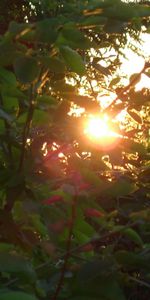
(97, 128)
(99, 132)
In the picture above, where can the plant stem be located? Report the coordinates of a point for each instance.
(68, 248)
(26, 131)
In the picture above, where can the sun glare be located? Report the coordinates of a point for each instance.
(98, 130)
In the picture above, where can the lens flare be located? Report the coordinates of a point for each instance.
(99, 132)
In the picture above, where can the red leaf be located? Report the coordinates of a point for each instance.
(58, 226)
(87, 248)
(92, 212)
(53, 199)
(84, 186)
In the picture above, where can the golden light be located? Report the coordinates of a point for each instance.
(98, 130)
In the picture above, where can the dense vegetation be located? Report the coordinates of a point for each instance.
(74, 213)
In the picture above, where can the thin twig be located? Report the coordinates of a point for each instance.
(140, 281)
(126, 88)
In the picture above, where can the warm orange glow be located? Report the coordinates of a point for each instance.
(99, 131)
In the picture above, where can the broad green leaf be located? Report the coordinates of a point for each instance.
(103, 286)
(75, 38)
(84, 298)
(7, 52)
(13, 295)
(133, 236)
(93, 269)
(131, 260)
(10, 103)
(93, 21)
(7, 77)
(73, 60)
(115, 26)
(114, 81)
(125, 12)
(110, 289)
(45, 31)
(41, 117)
(84, 227)
(19, 29)
(54, 64)
(16, 265)
(120, 188)
(5, 247)
(91, 177)
(12, 91)
(26, 69)
(48, 100)
(37, 224)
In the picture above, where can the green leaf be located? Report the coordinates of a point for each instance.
(16, 265)
(7, 52)
(73, 60)
(11, 91)
(7, 77)
(75, 38)
(10, 103)
(5, 247)
(41, 117)
(49, 100)
(114, 81)
(91, 177)
(37, 224)
(120, 188)
(13, 295)
(132, 260)
(26, 69)
(125, 12)
(19, 29)
(84, 227)
(84, 298)
(133, 236)
(45, 31)
(93, 21)
(93, 269)
(55, 65)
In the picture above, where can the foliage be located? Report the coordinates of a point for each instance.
(74, 214)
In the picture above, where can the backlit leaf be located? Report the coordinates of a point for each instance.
(73, 60)
(135, 116)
